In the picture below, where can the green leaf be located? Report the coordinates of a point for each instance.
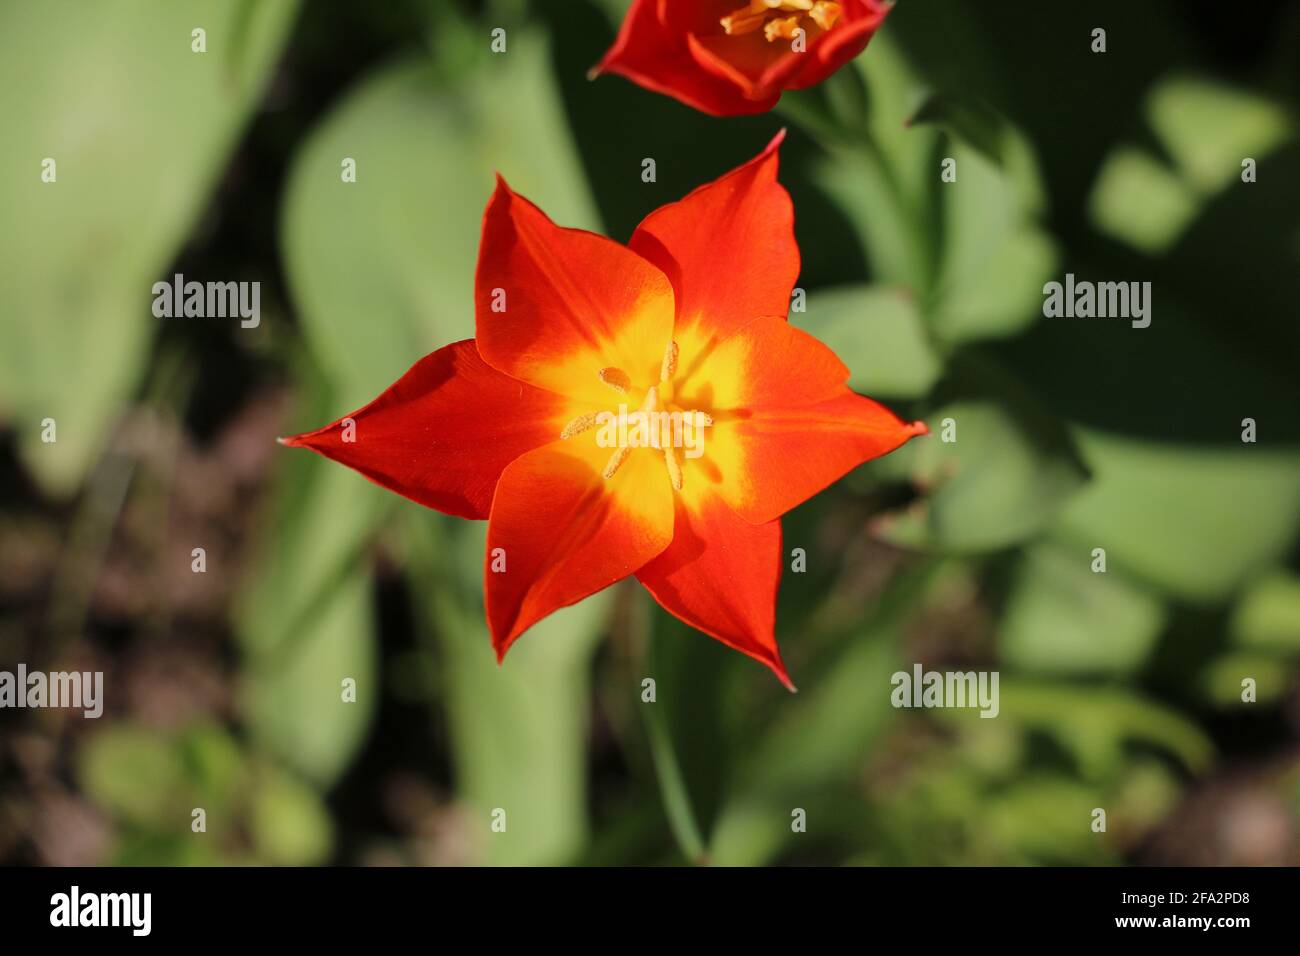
(1062, 618)
(293, 698)
(994, 258)
(289, 824)
(1149, 202)
(305, 620)
(1195, 521)
(1182, 109)
(134, 773)
(139, 128)
(1141, 201)
(1268, 615)
(887, 191)
(518, 730)
(1002, 480)
(383, 268)
(972, 121)
(1222, 678)
(878, 334)
(1094, 724)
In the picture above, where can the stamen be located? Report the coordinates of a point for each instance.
(786, 29)
(651, 399)
(825, 13)
(616, 461)
(742, 22)
(616, 379)
(669, 366)
(766, 14)
(674, 467)
(579, 425)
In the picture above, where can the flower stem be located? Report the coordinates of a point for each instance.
(668, 769)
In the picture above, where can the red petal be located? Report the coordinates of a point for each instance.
(762, 69)
(442, 434)
(839, 45)
(720, 576)
(566, 532)
(728, 248)
(652, 51)
(785, 425)
(574, 302)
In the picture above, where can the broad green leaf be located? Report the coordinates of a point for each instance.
(139, 128)
(1195, 521)
(1222, 679)
(288, 823)
(1003, 479)
(878, 333)
(293, 697)
(1095, 723)
(1046, 818)
(383, 269)
(972, 121)
(1138, 199)
(1149, 202)
(994, 258)
(1181, 110)
(151, 779)
(134, 773)
(305, 621)
(819, 740)
(887, 191)
(1062, 618)
(518, 729)
(1268, 615)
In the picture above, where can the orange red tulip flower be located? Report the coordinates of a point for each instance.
(734, 57)
(577, 335)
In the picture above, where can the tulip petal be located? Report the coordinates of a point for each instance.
(720, 576)
(728, 248)
(554, 306)
(836, 47)
(652, 52)
(565, 532)
(785, 424)
(442, 434)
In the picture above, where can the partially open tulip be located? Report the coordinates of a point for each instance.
(576, 333)
(732, 57)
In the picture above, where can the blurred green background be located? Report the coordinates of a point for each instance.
(1119, 690)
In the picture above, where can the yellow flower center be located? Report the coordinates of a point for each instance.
(780, 19)
(663, 435)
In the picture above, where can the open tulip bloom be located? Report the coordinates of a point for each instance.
(642, 409)
(732, 57)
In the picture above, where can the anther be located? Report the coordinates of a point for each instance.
(669, 366)
(825, 13)
(674, 467)
(579, 425)
(616, 379)
(616, 461)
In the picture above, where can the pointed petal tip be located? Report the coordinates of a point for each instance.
(918, 428)
(777, 666)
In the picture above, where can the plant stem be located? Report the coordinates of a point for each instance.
(668, 769)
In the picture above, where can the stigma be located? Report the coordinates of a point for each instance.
(659, 429)
(780, 19)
